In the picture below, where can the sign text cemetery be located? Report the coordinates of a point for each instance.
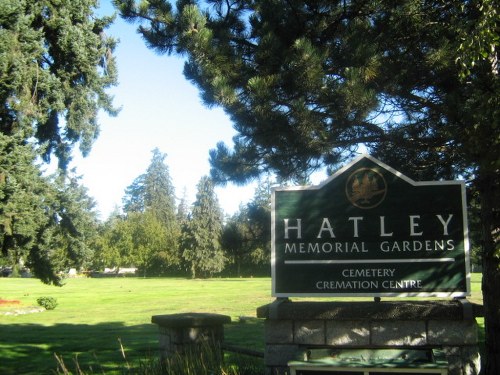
(370, 231)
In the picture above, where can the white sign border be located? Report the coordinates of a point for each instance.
(401, 176)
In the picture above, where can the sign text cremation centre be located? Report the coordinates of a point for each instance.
(370, 231)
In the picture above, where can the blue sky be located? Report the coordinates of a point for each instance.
(160, 108)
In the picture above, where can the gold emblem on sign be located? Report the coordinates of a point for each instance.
(366, 188)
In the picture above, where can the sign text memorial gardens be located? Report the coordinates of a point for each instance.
(370, 231)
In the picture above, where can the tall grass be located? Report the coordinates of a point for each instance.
(207, 360)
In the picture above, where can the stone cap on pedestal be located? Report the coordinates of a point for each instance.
(370, 310)
(190, 320)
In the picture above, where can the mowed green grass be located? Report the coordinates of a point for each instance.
(94, 314)
(94, 317)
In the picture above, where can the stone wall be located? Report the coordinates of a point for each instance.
(447, 325)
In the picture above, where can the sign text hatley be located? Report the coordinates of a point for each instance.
(370, 231)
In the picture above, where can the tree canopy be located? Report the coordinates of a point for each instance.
(150, 205)
(307, 82)
(46, 223)
(153, 190)
(200, 244)
(55, 66)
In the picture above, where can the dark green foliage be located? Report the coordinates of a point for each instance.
(114, 244)
(48, 303)
(55, 65)
(148, 235)
(45, 223)
(201, 235)
(306, 82)
(21, 203)
(246, 236)
(153, 191)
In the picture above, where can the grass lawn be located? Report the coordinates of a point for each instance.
(94, 315)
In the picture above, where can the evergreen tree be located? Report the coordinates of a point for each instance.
(202, 234)
(306, 82)
(183, 209)
(133, 201)
(46, 223)
(152, 195)
(55, 66)
(22, 216)
(259, 222)
(153, 190)
(76, 227)
(235, 240)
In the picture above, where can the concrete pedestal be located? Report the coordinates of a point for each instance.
(447, 325)
(187, 332)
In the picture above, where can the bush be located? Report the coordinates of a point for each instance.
(48, 303)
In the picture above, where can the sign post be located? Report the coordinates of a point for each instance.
(370, 231)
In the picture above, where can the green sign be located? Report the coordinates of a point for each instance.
(370, 231)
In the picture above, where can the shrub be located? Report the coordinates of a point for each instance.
(48, 303)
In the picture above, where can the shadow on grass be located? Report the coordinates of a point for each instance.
(248, 334)
(30, 348)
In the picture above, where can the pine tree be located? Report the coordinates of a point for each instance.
(306, 82)
(202, 234)
(236, 241)
(183, 209)
(159, 192)
(76, 223)
(150, 202)
(22, 217)
(152, 190)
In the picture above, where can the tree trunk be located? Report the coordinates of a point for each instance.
(193, 271)
(491, 275)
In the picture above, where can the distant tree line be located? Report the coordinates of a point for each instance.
(56, 65)
(164, 236)
(155, 231)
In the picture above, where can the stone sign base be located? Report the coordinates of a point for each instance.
(187, 332)
(291, 327)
